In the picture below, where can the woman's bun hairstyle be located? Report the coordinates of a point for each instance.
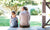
(25, 8)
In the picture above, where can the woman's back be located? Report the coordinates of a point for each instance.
(25, 17)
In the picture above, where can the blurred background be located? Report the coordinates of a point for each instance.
(34, 8)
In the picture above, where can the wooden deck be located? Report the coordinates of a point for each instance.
(31, 28)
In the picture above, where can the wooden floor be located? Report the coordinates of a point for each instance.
(31, 28)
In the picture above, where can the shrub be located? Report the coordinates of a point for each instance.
(33, 12)
(18, 12)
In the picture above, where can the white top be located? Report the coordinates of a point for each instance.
(24, 18)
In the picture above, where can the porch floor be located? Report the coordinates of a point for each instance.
(31, 28)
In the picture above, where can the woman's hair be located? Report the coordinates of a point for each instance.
(13, 12)
(25, 8)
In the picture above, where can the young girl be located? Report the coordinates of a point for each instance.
(14, 20)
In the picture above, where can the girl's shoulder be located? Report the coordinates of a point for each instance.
(16, 18)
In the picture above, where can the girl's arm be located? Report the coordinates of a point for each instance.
(17, 20)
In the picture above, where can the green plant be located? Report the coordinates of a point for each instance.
(39, 10)
(34, 12)
(18, 12)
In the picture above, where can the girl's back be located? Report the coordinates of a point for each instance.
(14, 22)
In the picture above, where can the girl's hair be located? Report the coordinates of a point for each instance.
(25, 8)
(13, 12)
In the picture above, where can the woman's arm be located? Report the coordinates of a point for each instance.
(29, 17)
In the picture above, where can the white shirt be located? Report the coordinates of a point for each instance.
(24, 18)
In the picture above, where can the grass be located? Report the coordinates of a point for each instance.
(35, 23)
(5, 22)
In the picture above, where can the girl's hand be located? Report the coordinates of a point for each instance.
(17, 20)
(10, 21)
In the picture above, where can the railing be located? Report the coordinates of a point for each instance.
(47, 3)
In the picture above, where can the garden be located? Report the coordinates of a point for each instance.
(6, 6)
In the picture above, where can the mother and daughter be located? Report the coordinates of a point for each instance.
(24, 18)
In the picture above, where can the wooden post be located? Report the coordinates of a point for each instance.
(43, 13)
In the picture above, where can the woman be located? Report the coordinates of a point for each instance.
(14, 20)
(24, 18)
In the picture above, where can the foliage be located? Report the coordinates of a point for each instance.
(39, 10)
(1, 12)
(35, 12)
(13, 4)
(19, 2)
(48, 0)
(18, 12)
(34, 3)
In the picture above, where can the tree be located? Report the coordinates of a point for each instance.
(48, 0)
(13, 4)
(1, 12)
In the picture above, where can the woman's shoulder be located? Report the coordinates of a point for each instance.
(21, 13)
